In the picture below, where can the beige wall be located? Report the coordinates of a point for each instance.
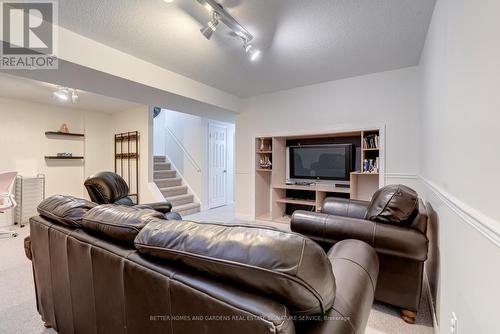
(459, 158)
(139, 119)
(388, 98)
(24, 144)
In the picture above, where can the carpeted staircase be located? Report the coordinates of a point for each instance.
(171, 186)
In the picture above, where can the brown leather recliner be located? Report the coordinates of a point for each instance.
(118, 269)
(111, 188)
(394, 223)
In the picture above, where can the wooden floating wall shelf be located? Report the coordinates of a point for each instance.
(69, 134)
(55, 157)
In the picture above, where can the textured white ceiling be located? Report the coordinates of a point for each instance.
(14, 87)
(302, 41)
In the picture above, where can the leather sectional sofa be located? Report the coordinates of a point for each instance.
(124, 269)
(394, 223)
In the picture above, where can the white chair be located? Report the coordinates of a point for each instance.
(7, 201)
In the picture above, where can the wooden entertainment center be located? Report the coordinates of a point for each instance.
(275, 200)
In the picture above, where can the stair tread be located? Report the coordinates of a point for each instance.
(188, 206)
(164, 174)
(167, 178)
(172, 198)
(173, 188)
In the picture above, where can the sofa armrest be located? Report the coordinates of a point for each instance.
(163, 207)
(345, 207)
(404, 242)
(355, 266)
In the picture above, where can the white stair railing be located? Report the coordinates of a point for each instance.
(184, 150)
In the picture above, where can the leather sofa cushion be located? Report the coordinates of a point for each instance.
(118, 222)
(66, 210)
(107, 188)
(286, 266)
(393, 204)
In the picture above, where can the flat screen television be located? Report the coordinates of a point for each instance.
(321, 162)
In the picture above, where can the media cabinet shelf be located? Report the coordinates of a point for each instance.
(297, 201)
(275, 200)
(314, 187)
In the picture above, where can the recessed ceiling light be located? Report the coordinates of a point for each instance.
(168, 1)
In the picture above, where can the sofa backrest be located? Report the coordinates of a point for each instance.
(419, 220)
(287, 266)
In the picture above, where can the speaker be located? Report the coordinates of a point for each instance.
(357, 160)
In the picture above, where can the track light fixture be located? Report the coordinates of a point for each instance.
(66, 94)
(219, 14)
(211, 26)
(252, 52)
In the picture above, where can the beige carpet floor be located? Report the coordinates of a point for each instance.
(18, 314)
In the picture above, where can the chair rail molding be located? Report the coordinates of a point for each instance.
(485, 225)
(401, 176)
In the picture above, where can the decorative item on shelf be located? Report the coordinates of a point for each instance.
(64, 155)
(371, 166)
(64, 128)
(371, 141)
(265, 163)
(262, 144)
(366, 166)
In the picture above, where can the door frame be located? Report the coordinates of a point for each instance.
(220, 125)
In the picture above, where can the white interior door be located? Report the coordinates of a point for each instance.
(217, 157)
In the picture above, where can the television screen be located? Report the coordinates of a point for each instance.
(327, 162)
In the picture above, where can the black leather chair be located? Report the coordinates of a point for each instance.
(111, 188)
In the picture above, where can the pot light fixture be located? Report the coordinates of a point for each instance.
(66, 94)
(219, 14)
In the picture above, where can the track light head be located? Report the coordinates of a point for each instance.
(64, 94)
(211, 26)
(60, 95)
(74, 96)
(252, 52)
